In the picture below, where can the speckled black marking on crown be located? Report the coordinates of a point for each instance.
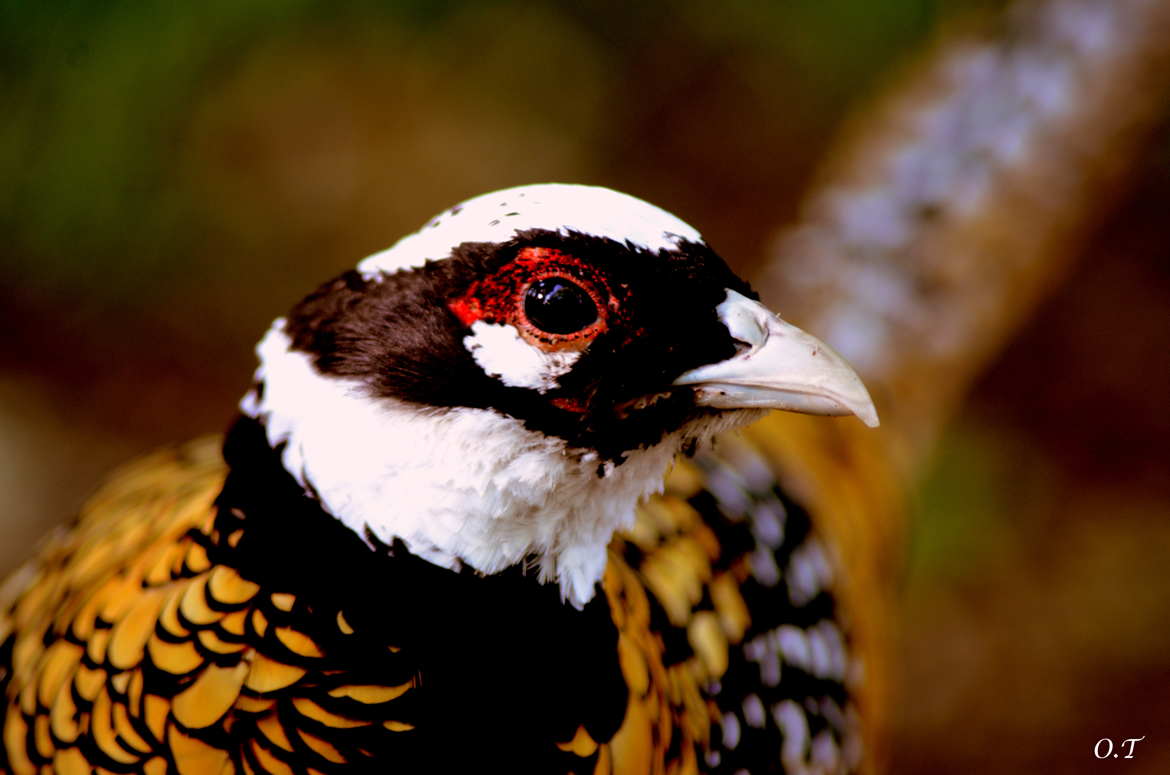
(397, 335)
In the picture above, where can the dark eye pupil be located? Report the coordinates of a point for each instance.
(557, 306)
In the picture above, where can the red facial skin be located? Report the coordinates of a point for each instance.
(499, 298)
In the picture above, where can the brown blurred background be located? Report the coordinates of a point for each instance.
(174, 175)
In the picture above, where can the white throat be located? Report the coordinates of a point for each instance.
(459, 486)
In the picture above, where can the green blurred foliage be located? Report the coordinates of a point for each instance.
(98, 191)
(965, 509)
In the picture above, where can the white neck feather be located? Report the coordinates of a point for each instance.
(458, 486)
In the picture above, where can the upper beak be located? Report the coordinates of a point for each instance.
(782, 368)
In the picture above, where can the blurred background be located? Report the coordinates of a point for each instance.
(175, 175)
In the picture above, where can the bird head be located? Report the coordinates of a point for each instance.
(504, 385)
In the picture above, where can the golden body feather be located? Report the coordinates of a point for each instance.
(132, 650)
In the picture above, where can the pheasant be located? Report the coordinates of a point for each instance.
(419, 547)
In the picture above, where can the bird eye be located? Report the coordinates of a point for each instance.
(558, 306)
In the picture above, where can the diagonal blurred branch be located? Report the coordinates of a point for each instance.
(947, 210)
(955, 201)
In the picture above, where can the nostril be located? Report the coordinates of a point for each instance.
(746, 332)
(745, 320)
(741, 346)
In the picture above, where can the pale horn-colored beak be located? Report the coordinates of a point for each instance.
(782, 368)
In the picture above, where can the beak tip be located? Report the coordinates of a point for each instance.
(857, 402)
(869, 417)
